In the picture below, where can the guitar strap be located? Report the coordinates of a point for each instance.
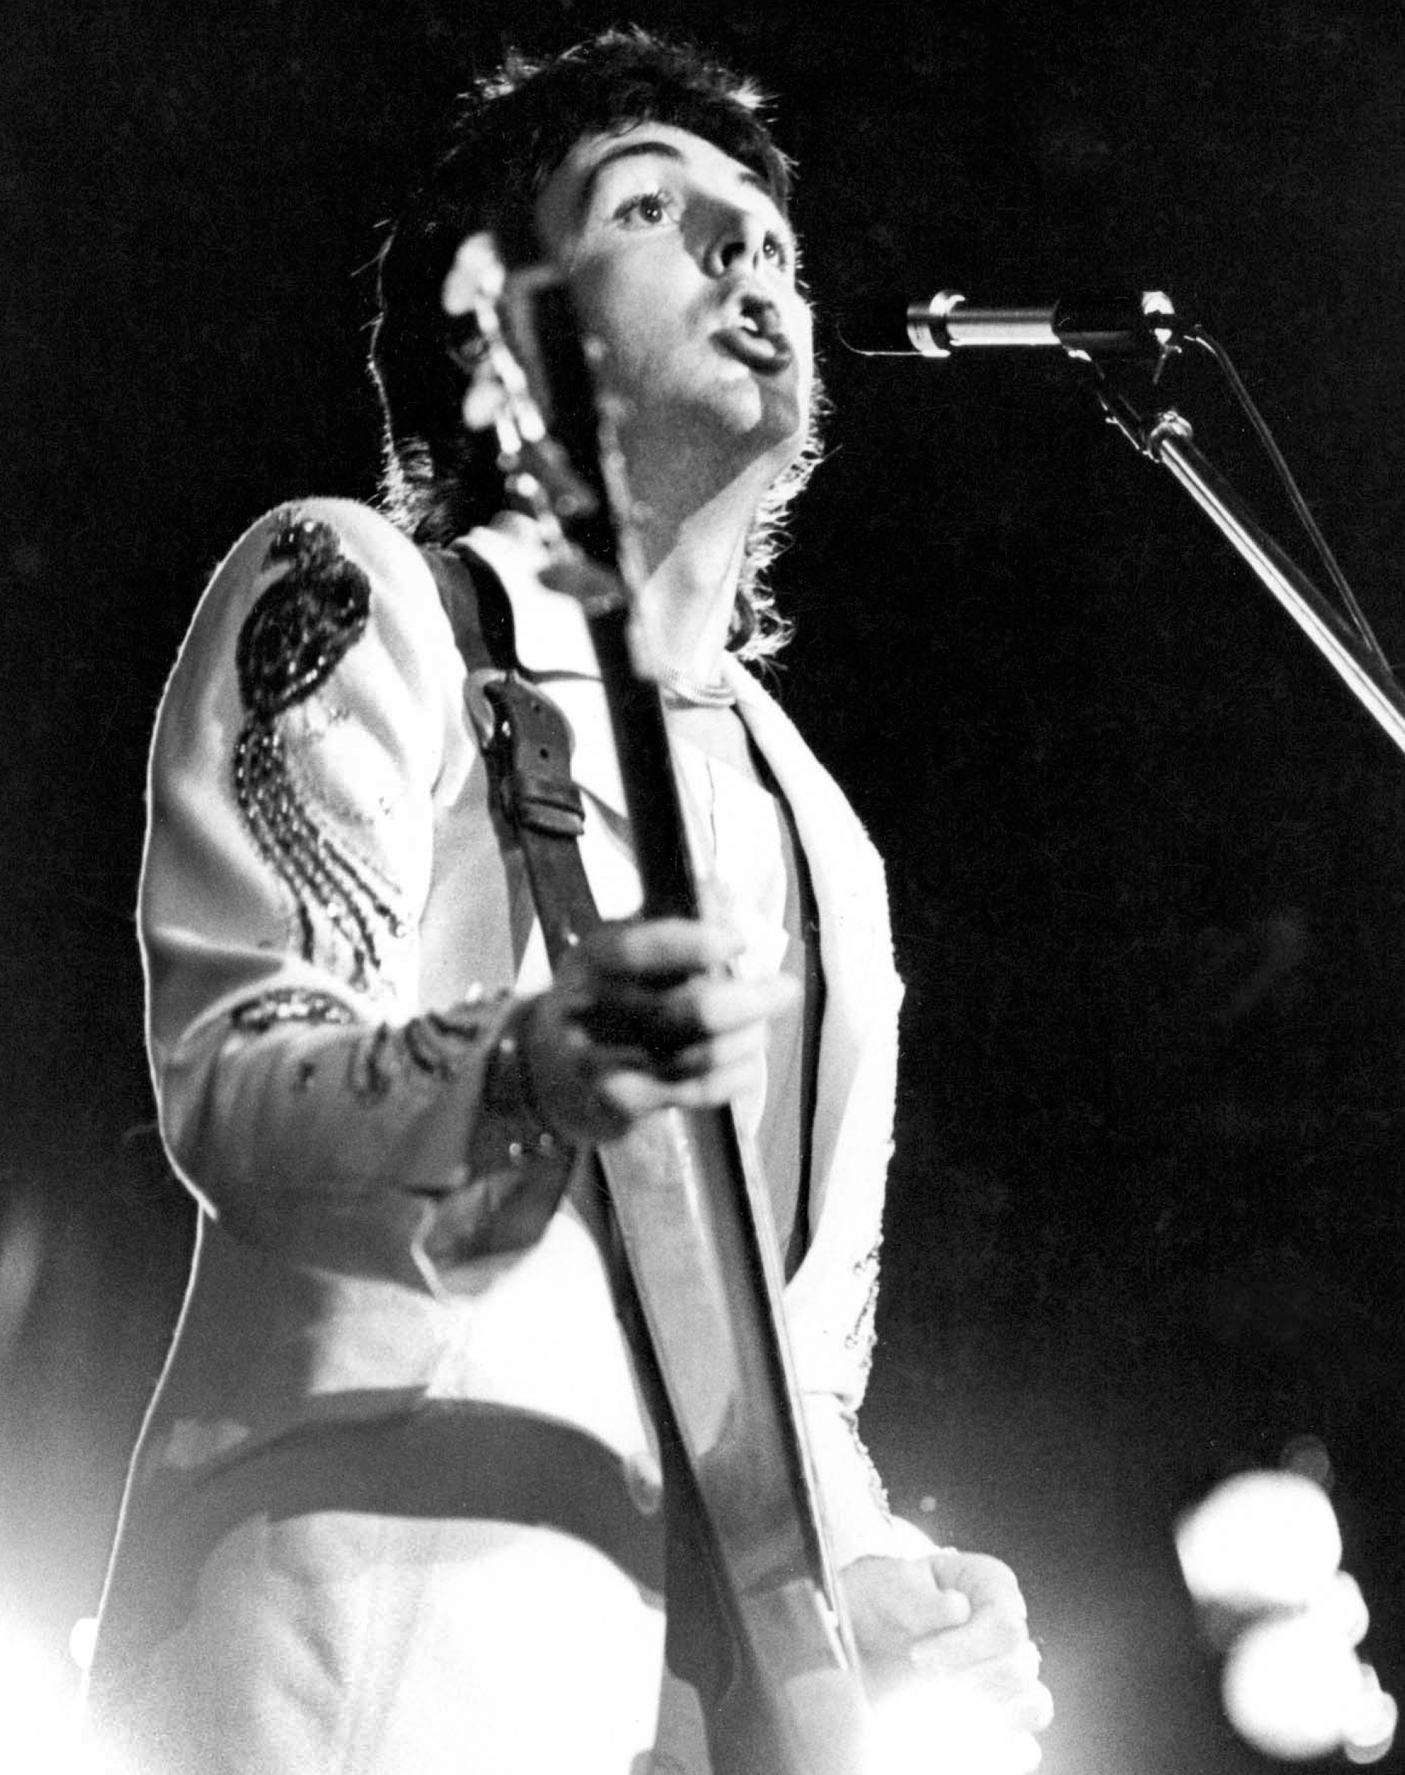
(527, 752)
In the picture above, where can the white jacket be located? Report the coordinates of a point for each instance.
(339, 1410)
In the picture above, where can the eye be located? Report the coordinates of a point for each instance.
(646, 209)
(781, 251)
(777, 249)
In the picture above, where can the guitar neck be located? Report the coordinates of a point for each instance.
(651, 789)
(693, 1220)
(708, 1277)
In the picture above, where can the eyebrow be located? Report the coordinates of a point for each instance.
(628, 150)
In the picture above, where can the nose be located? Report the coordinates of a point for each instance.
(738, 237)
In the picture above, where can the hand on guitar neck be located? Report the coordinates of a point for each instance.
(640, 1018)
(958, 1621)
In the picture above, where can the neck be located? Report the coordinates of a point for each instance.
(689, 565)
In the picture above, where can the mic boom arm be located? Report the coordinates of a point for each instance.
(1100, 329)
(1167, 438)
(1093, 326)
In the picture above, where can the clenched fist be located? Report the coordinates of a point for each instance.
(643, 1016)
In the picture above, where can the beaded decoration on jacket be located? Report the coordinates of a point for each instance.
(290, 644)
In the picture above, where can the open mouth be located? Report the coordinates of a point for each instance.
(757, 339)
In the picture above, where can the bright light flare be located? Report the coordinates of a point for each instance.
(39, 1722)
(1293, 1686)
(924, 1729)
(1266, 1548)
(83, 1642)
(37, 1707)
(1260, 1541)
(1371, 1729)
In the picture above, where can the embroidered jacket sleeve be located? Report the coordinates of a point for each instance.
(310, 750)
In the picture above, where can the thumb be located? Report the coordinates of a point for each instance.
(947, 1607)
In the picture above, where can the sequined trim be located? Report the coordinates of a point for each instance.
(433, 1046)
(288, 1004)
(861, 1335)
(305, 622)
(436, 1044)
(291, 642)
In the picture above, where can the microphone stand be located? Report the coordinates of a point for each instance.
(1166, 437)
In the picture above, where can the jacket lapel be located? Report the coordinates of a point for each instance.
(553, 645)
(855, 948)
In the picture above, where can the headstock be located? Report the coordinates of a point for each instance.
(532, 381)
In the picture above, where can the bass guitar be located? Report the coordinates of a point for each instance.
(692, 1217)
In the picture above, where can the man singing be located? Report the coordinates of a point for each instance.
(396, 1508)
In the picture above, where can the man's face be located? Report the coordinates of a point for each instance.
(684, 269)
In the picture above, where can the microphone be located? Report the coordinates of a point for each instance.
(1142, 325)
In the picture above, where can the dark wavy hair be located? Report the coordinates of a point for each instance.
(510, 134)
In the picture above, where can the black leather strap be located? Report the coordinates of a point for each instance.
(527, 750)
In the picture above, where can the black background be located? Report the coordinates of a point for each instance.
(1144, 851)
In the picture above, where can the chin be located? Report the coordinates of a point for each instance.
(747, 428)
(785, 433)
(773, 417)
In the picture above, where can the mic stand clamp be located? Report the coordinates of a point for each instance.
(1168, 438)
